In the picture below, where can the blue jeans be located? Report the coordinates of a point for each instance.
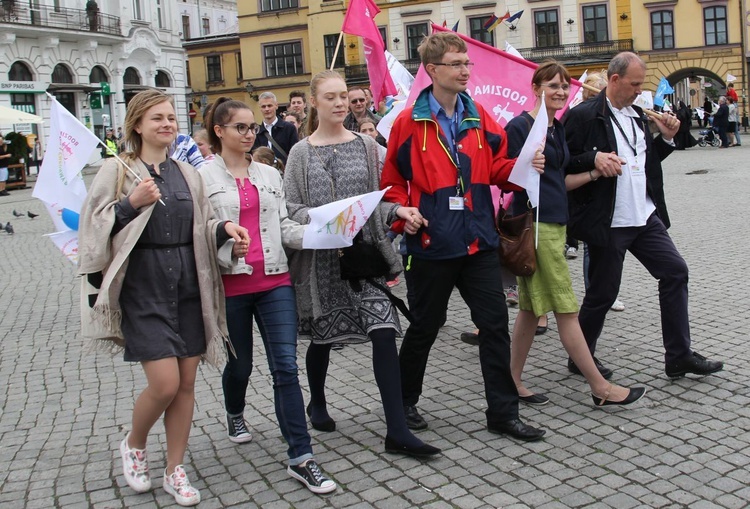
(275, 313)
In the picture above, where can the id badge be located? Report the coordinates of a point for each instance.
(455, 202)
(635, 169)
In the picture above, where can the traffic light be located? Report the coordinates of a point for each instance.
(95, 101)
(105, 88)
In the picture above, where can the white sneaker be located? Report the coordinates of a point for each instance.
(511, 295)
(135, 467)
(618, 305)
(178, 485)
(571, 253)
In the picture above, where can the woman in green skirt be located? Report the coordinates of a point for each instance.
(550, 287)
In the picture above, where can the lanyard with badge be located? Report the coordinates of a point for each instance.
(634, 168)
(456, 202)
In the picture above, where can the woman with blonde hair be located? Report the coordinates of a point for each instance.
(331, 164)
(149, 244)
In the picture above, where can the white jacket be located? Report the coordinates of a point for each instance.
(276, 229)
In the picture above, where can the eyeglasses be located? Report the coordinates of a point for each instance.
(556, 86)
(457, 65)
(355, 101)
(242, 129)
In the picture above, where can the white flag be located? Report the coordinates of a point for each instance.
(645, 100)
(731, 78)
(523, 173)
(578, 98)
(513, 51)
(69, 145)
(336, 224)
(401, 77)
(67, 242)
(386, 123)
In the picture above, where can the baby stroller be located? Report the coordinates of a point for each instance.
(708, 137)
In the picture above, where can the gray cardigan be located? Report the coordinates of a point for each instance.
(301, 263)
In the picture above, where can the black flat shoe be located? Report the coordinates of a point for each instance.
(540, 329)
(603, 370)
(413, 419)
(470, 338)
(694, 363)
(534, 399)
(327, 425)
(635, 394)
(516, 429)
(422, 451)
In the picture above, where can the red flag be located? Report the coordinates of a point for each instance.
(500, 82)
(360, 20)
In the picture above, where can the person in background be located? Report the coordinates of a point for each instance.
(733, 120)
(111, 143)
(185, 149)
(721, 121)
(276, 134)
(4, 161)
(250, 194)
(201, 139)
(119, 134)
(295, 119)
(266, 156)
(620, 207)
(332, 164)
(298, 104)
(150, 247)
(358, 111)
(707, 110)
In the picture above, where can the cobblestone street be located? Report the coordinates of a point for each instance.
(63, 411)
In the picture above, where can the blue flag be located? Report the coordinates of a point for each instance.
(663, 89)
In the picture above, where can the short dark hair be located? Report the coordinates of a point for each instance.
(297, 93)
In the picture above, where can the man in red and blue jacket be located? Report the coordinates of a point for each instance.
(444, 153)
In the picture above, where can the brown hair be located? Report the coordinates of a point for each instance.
(137, 108)
(294, 114)
(297, 93)
(312, 118)
(547, 70)
(218, 114)
(433, 47)
(266, 156)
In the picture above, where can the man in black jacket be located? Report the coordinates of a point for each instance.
(721, 121)
(274, 133)
(617, 205)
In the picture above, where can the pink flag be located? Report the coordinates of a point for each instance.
(500, 82)
(360, 20)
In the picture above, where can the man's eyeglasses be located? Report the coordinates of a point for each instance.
(556, 86)
(457, 65)
(355, 101)
(242, 129)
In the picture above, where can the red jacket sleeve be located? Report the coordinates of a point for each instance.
(502, 165)
(391, 175)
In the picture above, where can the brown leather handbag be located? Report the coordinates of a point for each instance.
(516, 249)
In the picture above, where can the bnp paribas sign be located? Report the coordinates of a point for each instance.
(23, 87)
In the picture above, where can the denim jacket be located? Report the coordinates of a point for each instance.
(276, 229)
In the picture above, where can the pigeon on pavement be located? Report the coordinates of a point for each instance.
(9, 229)
(16, 213)
(31, 214)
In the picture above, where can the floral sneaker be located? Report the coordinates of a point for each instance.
(135, 467)
(178, 485)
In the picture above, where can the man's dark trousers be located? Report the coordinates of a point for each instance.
(477, 278)
(653, 247)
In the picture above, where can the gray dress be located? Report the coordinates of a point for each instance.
(335, 172)
(160, 298)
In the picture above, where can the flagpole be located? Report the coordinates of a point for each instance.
(647, 111)
(132, 172)
(336, 51)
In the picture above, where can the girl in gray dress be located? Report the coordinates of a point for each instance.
(332, 164)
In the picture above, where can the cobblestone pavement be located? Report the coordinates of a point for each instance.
(63, 412)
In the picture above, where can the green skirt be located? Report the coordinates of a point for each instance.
(550, 287)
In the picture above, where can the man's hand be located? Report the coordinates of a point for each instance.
(667, 124)
(241, 239)
(413, 220)
(609, 165)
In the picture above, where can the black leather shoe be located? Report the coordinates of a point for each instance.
(534, 399)
(413, 419)
(635, 394)
(470, 338)
(694, 363)
(603, 370)
(422, 451)
(515, 428)
(327, 425)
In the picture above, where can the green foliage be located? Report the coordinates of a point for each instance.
(18, 148)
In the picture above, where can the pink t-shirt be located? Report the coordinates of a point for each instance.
(258, 281)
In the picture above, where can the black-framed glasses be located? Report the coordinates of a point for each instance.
(242, 129)
(457, 65)
(355, 101)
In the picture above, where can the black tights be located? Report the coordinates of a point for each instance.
(387, 375)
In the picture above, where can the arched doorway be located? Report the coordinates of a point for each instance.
(101, 117)
(19, 71)
(61, 74)
(162, 80)
(131, 81)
